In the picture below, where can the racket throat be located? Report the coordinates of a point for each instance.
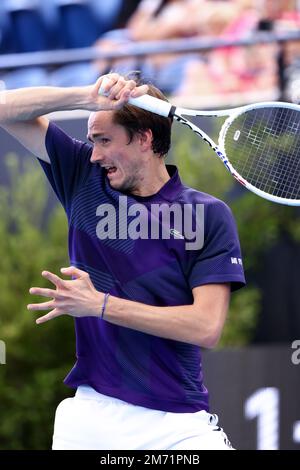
(172, 113)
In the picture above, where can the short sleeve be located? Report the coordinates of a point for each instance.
(70, 164)
(220, 259)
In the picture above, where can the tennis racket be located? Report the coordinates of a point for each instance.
(259, 144)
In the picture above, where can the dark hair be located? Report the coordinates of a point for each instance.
(136, 120)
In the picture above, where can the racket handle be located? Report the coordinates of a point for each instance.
(147, 102)
(150, 103)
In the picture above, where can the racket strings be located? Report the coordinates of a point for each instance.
(269, 169)
(272, 169)
(263, 146)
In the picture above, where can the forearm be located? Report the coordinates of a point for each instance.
(179, 323)
(29, 103)
(200, 323)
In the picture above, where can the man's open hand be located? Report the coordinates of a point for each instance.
(77, 297)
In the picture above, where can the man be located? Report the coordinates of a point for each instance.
(147, 290)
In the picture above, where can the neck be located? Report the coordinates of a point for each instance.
(153, 179)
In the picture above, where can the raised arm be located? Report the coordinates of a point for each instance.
(22, 111)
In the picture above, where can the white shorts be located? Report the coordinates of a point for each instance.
(92, 421)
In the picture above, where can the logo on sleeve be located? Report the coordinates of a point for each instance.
(236, 261)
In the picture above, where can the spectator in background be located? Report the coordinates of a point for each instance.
(286, 17)
(155, 20)
(165, 19)
(232, 70)
(222, 72)
(218, 72)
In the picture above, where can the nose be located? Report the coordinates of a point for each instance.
(97, 156)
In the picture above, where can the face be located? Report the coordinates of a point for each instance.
(124, 162)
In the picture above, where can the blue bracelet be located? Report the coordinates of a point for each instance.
(104, 304)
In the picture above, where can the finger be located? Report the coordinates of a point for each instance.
(139, 91)
(127, 93)
(121, 88)
(57, 281)
(49, 316)
(119, 103)
(72, 271)
(43, 292)
(40, 306)
(107, 82)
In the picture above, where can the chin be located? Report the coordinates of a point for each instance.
(122, 186)
(119, 186)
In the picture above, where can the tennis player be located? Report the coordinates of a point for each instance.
(145, 295)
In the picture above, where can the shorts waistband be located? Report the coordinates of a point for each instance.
(86, 392)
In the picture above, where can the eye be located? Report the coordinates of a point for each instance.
(104, 140)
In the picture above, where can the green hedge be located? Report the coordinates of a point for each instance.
(37, 357)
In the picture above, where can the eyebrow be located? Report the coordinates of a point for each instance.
(92, 137)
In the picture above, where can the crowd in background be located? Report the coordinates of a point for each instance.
(34, 25)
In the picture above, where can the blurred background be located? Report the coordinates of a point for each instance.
(254, 375)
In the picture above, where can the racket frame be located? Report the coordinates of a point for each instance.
(219, 148)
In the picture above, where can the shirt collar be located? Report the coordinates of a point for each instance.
(169, 191)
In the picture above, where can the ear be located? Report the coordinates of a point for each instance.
(145, 139)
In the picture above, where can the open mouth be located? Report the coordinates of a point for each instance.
(111, 170)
